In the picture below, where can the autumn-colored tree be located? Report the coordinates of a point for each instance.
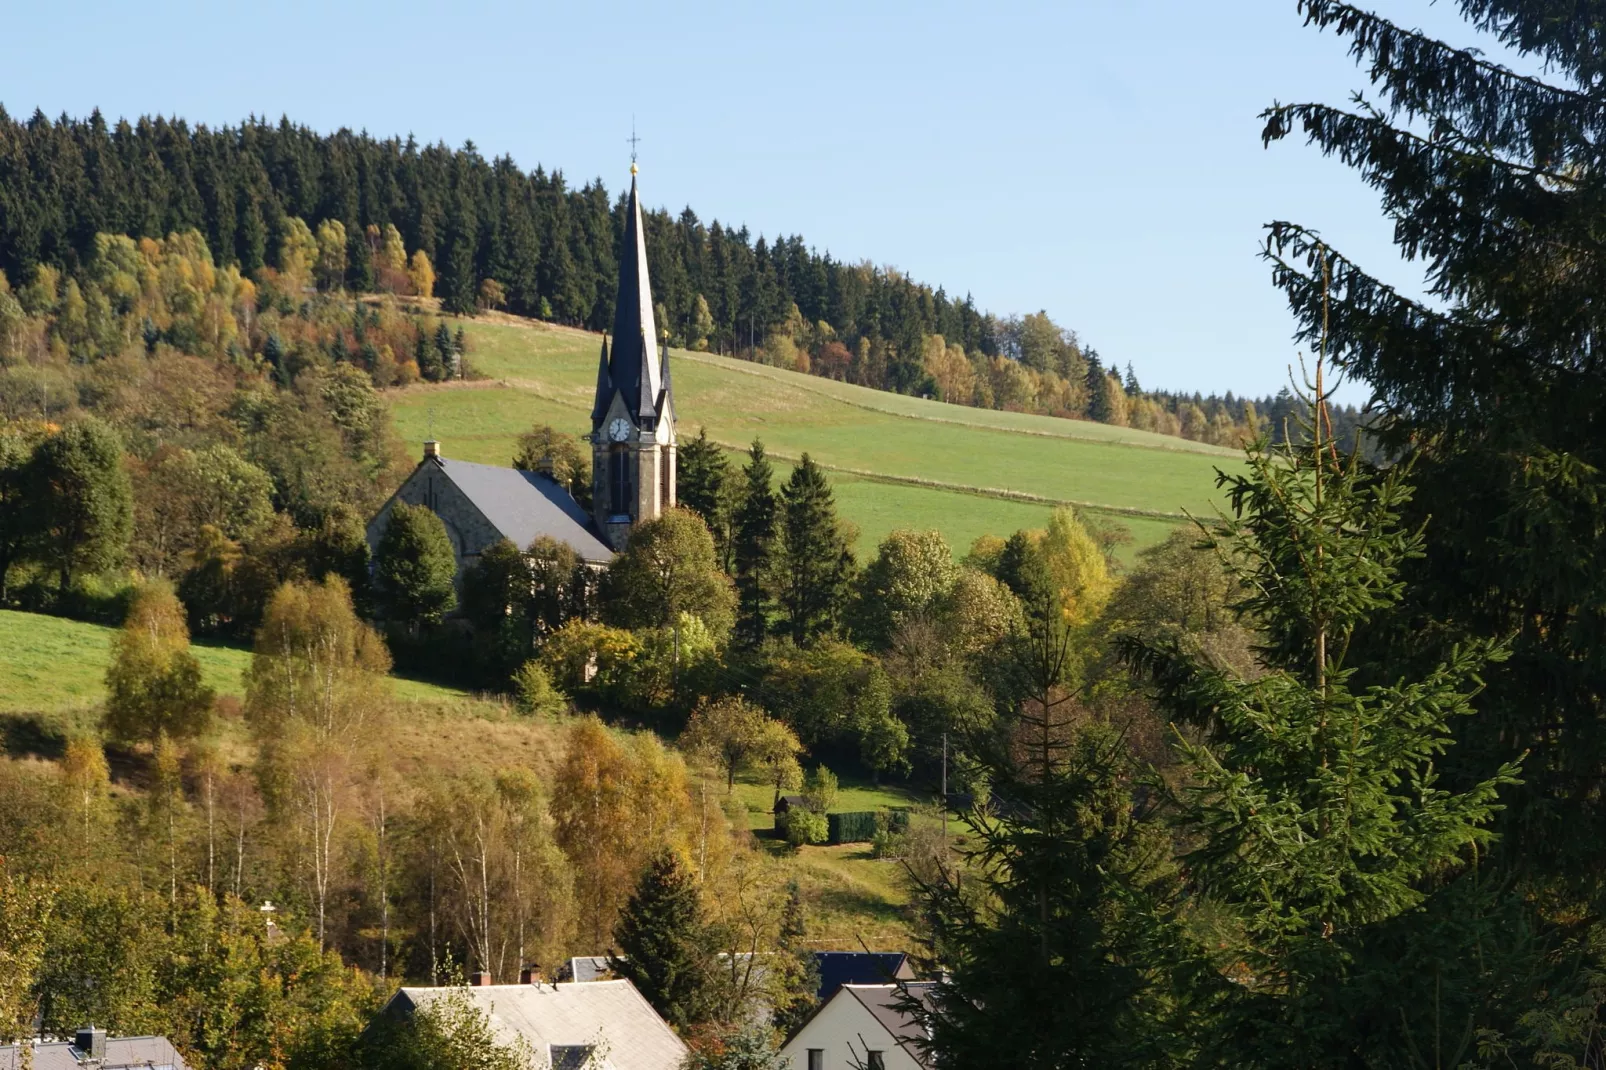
(911, 572)
(422, 274)
(331, 269)
(591, 805)
(314, 693)
(153, 684)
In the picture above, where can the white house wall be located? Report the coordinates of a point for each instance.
(843, 1030)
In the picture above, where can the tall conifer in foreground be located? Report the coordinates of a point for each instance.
(1494, 180)
(1313, 804)
(663, 942)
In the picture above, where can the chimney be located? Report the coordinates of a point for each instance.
(529, 976)
(432, 448)
(545, 467)
(90, 1042)
(480, 979)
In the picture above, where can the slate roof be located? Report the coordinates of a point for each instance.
(838, 968)
(156, 1053)
(524, 505)
(883, 1003)
(609, 1014)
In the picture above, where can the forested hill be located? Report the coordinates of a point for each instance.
(493, 234)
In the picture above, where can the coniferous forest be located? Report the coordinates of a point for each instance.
(495, 235)
(1314, 784)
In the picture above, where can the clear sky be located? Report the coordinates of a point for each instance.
(1099, 159)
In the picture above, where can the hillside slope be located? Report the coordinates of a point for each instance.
(896, 461)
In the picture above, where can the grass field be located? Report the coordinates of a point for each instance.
(898, 462)
(54, 665)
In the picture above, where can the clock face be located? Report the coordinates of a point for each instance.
(619, 430)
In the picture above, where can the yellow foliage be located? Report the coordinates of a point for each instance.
(1080, 573)
(422, 275)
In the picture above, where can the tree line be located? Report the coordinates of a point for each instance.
(484, 233)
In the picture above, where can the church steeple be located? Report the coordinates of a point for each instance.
(633, 366)
(633, 419)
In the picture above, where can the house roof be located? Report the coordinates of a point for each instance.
(525, 505)
(156, 1053)
(885, 1004)
(611, 1015)
(838, 968)
(585, 968)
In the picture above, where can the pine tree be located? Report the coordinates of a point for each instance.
(703, 484)
(663, 941)
(1098, 396)
(1060, 945)
(443, 349)
(816, 565)
(755, 531)
(1494, 384)
(1315, 807)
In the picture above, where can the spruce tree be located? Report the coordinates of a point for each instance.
(664, 947)
(816, 564)
(754, 539)
(1058, 935)
(443, 350)
(703, 485)
(1314, 807)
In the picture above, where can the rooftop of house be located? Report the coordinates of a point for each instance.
(122, 1053)
(886, 1005)
(526, 505)
(838, 968)
(559, 1021)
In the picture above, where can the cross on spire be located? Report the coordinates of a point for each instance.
(633, 140)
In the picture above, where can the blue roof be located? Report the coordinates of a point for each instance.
(526, 505)
(838, 968)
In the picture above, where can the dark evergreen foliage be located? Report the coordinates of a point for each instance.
(816, 561)
(755, 532)
(664, 942)
(1493, 179)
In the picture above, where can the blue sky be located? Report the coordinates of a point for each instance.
(1099, 159)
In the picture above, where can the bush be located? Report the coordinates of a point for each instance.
(860, 826)
(891, 834)
(806, 827)
(535, 693)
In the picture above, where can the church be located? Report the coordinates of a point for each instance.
(632, 448)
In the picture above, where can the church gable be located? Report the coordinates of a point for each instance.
(481, 504)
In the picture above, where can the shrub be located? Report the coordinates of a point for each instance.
(535, 693)
(860, 826)
(806, 827)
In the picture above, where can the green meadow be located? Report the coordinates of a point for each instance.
(54, 665)
(896, 462)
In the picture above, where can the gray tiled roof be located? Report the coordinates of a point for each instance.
(526, 505)
(611, 1015)
(155, 1053)
(885, 1004)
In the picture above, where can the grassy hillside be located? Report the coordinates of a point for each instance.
(51, 673)
(897, 461)
(52, 665)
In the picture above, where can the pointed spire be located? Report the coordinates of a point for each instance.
(599, 407)
(633, 370)
(666, 400)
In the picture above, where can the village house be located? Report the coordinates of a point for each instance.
(863, 1027)
(92, 1049)
(598, 1025)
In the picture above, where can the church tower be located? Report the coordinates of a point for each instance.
(633, 417)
